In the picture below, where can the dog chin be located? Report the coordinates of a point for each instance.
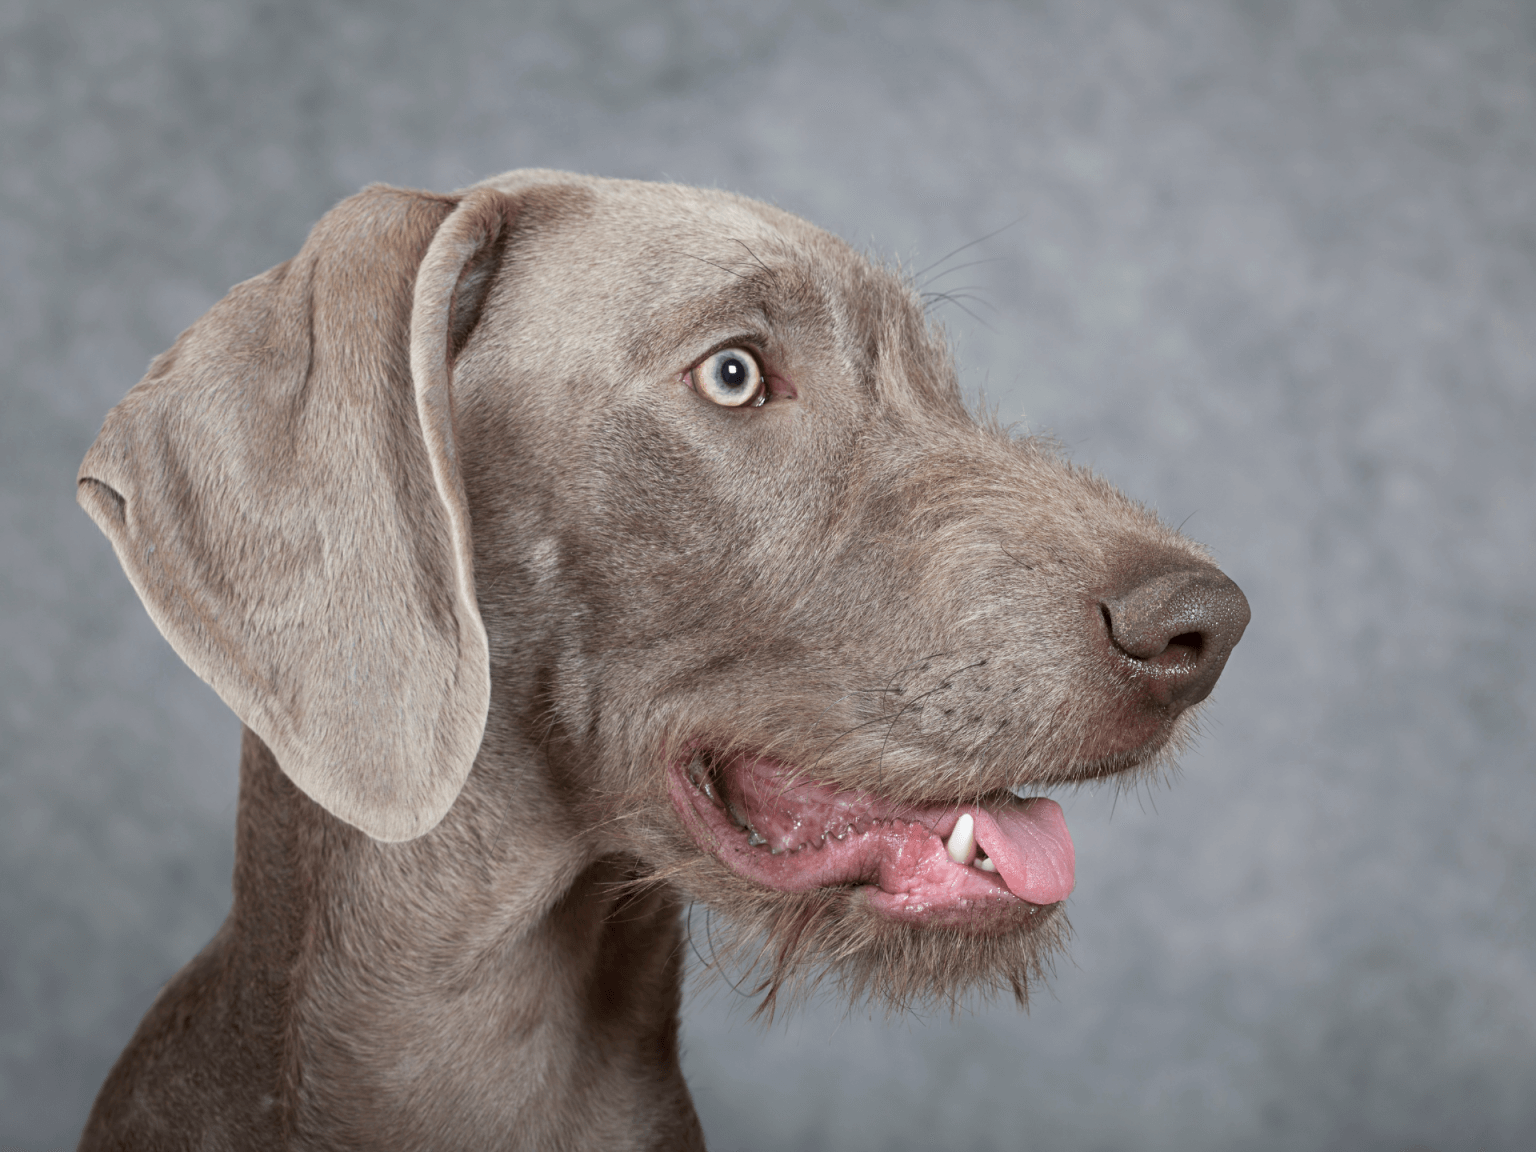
(783, 946)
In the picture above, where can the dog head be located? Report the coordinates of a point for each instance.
(681, 493)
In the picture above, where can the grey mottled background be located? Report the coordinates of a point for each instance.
(1272, 268)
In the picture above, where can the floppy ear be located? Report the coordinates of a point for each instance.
(283, 491)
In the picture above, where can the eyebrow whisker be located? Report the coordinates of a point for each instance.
(963, 247)
(754, 256)
(962, 267)
(712, 264)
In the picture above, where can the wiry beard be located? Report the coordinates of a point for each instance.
(781, 947)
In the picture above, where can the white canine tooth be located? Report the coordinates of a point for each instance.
(985, 864)
(756, 839)
(699, 774)
(962, 839)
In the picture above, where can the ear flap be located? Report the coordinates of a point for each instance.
(283, 491)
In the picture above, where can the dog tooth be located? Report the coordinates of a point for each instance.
(756, 839)
(985, 864)
(736, 816)
(962, 839)
(699, 774)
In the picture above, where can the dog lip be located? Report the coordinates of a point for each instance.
(792, 835)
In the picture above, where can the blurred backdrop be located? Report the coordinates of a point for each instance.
(1269, 266)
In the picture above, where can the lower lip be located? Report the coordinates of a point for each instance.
(931, 890)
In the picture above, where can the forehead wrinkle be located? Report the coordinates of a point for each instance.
(781, 287)
(907, 354)
(750, 303)
(677, 331)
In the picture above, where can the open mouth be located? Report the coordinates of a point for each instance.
(961, 865)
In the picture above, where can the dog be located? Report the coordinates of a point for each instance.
(571, 549)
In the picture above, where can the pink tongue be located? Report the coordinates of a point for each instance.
(1031, 848)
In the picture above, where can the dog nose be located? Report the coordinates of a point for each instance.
(1178, 629)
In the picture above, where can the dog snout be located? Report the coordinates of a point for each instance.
(1175, 631)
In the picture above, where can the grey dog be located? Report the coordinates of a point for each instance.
(571, 549)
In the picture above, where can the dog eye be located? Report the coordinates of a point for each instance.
(731, 378)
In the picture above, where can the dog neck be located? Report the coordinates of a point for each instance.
(473, 988)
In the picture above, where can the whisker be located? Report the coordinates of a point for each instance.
(959, 292)
(961, 268)
(754, 256)
(713, 264)
(963, 247)
(943, 298)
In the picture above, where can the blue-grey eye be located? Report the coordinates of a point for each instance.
(731, 378)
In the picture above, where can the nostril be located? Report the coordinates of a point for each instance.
(1179, 625)
(1191, 640)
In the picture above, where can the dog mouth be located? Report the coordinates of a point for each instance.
(970, 865)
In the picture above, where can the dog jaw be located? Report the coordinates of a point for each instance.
(922, 865)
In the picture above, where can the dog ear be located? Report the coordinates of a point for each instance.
(284, 493)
